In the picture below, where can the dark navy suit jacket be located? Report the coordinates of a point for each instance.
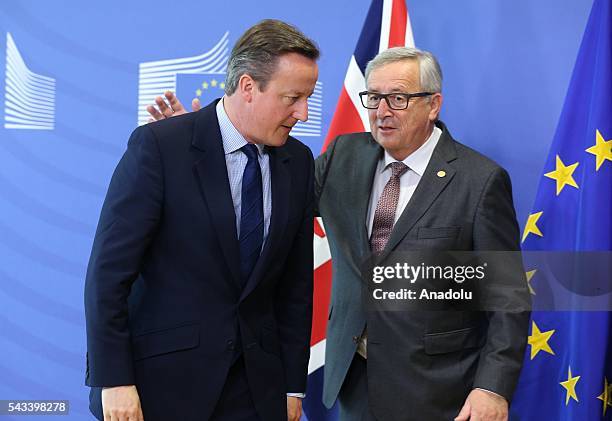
(164, 303)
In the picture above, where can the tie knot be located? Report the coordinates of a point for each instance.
(398, 168)
(250, 150)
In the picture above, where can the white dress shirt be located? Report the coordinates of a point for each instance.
(417, 161)
(235, 161)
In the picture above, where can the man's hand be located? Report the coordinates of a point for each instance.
(294, 408)
(164, 110)
(121, 403)
(483, 406)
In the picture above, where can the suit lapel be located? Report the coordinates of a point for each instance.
(362, 179)
(211, 172)
(428, 190)
(280, 179)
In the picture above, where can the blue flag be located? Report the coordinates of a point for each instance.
(567, 372)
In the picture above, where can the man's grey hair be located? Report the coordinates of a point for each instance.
(257, 51)
(429, 68)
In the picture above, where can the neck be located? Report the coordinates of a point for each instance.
(234, 109)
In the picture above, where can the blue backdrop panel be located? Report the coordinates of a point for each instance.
(507, 66)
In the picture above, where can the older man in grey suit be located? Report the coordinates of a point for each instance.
(408, 185)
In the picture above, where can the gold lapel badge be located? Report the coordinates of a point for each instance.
(441, 174)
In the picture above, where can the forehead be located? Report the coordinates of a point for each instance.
(398, 76)
(295, 72)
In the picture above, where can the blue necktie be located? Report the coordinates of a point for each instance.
(251, 213)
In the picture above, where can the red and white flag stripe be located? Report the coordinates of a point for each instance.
(350, 117)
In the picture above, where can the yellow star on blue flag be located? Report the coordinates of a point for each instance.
(602, 150)
(570, 386)
(563, 175)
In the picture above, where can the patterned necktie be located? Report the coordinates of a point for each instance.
(251, 213)
(384, 216)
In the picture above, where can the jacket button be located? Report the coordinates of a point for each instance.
(230, 345)
(356, 339)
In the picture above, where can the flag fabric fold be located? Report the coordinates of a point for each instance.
(567, 372)
(387, 25)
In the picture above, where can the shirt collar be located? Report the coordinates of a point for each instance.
(231, 137)
(417, 161)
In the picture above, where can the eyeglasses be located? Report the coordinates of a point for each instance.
(395, 101)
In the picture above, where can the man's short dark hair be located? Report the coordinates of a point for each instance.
(257, 51)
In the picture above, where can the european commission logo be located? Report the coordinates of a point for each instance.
(29, 98)
(312, 127)
(156, 77)
(203, 77)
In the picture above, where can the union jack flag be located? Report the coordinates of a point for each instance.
(387, 25)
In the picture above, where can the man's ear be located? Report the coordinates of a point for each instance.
(246, 87)
(435, 104)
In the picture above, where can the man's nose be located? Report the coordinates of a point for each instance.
(383, 109)
(301, 112)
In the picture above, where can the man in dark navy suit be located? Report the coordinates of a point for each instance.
(198, 295)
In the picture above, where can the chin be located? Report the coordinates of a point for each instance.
(387, 142)
(277, 142)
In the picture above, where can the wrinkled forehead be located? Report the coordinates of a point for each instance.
(400, 76)
(295, 74)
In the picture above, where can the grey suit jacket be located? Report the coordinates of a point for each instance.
(421, 364)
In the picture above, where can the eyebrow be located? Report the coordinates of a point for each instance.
(299, 93)
(392, 91)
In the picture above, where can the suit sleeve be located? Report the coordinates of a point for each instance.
(128, 221)
(496, 229)
(322, 165)
(293, 301)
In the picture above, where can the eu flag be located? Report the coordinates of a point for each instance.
(567, 372)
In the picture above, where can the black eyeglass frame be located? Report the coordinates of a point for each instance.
(385, 97)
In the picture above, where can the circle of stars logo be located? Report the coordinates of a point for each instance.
(209, 84)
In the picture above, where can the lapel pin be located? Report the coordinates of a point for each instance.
(441, 174)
